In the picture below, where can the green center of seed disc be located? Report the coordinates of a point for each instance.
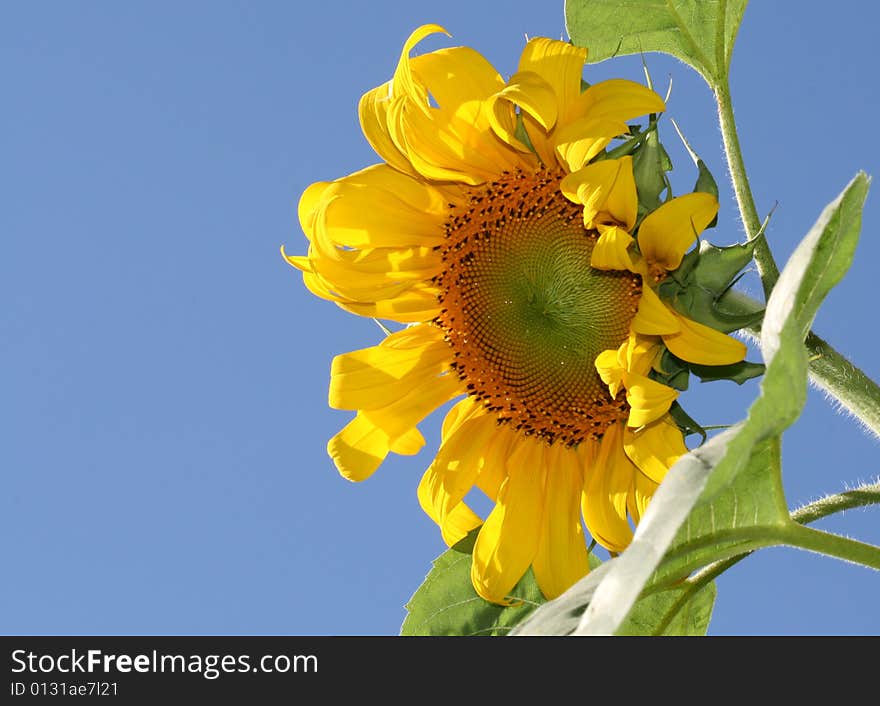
(526, 314)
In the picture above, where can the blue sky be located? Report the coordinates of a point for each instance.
(164, 373)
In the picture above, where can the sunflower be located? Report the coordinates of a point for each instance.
(498, 230)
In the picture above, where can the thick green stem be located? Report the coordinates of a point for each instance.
(859, 497)
(829, 370)
(767, 267)
(832, 545)
(834, 374)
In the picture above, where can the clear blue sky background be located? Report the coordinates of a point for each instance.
(164, 373)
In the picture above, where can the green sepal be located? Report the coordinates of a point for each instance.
(521, 134)
(717, 267)
(700, 285)
(650, 164)
(706, 183)
(637, 137)
(671, 371)
(738, 372)
(685, 422)
(706, 307)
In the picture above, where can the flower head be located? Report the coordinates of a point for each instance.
(497, 230)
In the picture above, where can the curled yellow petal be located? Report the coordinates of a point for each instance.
(654, 317)
(358, 449)
(453, 473)
(655, 448)
(508, 540)
(606, 488)
(375, 377)
(403, 83)
(580, 141)
(640, 494)
(533, 95)
(619, 99)
(560, 64)
(668, 233)
(610, 370)
(697, 343)
(561, 557)
(607, 190)
(648, 399)
(611, 251)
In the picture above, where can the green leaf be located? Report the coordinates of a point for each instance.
(738, 372)
(447, 604)
(818, 263)
(699, 32)
(725, 497)
(677, 611)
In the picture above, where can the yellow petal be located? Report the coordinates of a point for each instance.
(373, 111)
(358, 449)
(610, 370)
(461, 412)
(560, 64)
(375, 377)
(403, 414)
(611, 251)
(459, 79)
(300, 262)
(453, 141)
(380, 207)
(641, 353)
(648, 399)
(643, 489)
(605, 492)
(668, 233)
(494, 471)
(581, 140)
(460, 520)
(404, 83)
(561, 558)
(416, 304)
(308, 204)
(408, 444)
(453, 473)
(533, 95)
(655, 448)
(618, 99)
(508, 540)
(439, 147)
(607, 190)
(701, 344)
(378, 108)
(654, 318)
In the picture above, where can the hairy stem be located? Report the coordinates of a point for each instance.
(829, 370)
(767, 267)
(859, 497)
(832, 545)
